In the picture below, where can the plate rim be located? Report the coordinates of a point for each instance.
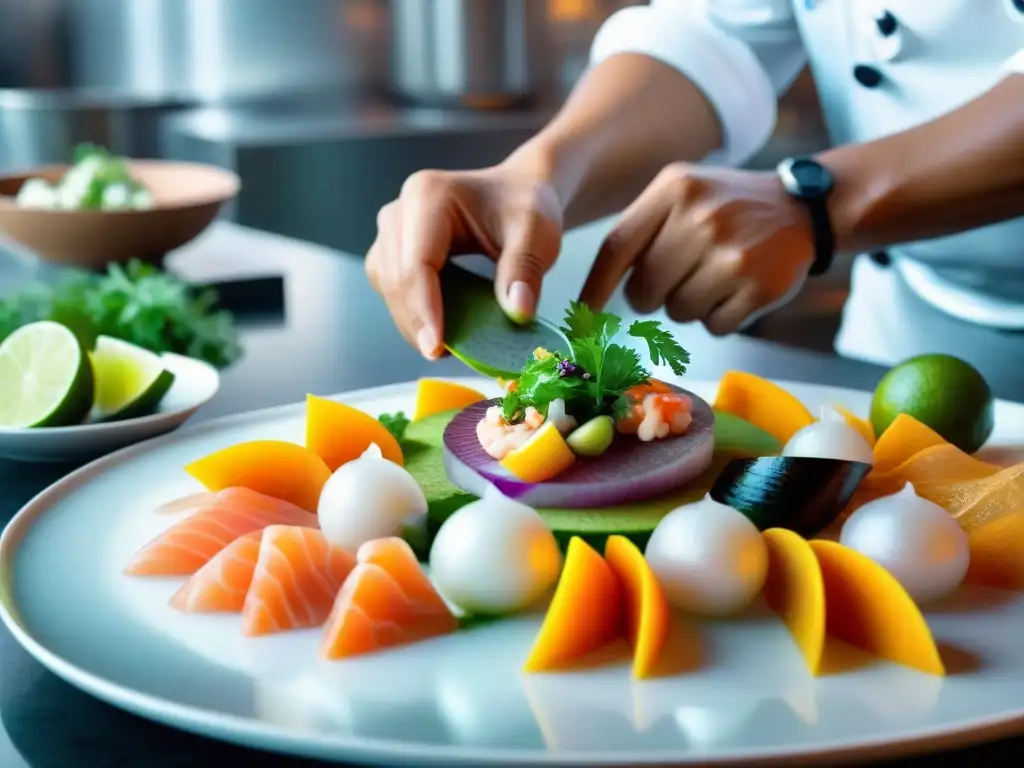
(251, 733)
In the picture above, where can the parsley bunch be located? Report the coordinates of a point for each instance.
(137, 303)
(595, 375)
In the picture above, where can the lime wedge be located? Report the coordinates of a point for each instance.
(130, 381)
(45, 377)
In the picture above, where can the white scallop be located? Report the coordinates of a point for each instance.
(710, 559)
(830, 438)
(369, 498)
(916, 540)
(495, 556)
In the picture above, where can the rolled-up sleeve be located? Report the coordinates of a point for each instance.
(740, 53)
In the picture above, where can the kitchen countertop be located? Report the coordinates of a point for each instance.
(333, 335)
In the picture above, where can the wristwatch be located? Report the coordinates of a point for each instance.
(810, 182)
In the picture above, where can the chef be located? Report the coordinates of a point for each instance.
(924, 103)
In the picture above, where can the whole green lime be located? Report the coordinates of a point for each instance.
(941, 391)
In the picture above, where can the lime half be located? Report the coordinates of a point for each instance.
(45, 377)
(130, 381)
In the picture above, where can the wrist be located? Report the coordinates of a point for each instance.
(547, 160)
(859, 196)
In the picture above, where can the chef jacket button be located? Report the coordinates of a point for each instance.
(1018, 5)
(867, 75)
(887, 25)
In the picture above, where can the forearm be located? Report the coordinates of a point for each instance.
(958, 172)
(629, 117)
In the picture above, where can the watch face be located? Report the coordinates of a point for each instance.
(805, 177)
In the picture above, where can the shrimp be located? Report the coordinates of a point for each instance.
(656, 415)
(499, 438)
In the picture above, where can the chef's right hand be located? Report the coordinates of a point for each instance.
(504, 212)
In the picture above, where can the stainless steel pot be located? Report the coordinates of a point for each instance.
(473, 53)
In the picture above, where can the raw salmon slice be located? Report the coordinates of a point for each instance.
(191, 503)
(387, 601)
(188, 545)
(297, 577)
(396, 557)
(221, 584)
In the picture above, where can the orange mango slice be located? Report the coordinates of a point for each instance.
(904, 438)
(795, 590)
(870, 610)
(272, 467)
(648, 616)
(762, 403)
(339, 433)
(861, 426)
(587, 611)
(542, 457)
(435, 396)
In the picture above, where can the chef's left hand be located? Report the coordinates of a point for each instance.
(712, 244)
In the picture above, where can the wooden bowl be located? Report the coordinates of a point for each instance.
(186, 199)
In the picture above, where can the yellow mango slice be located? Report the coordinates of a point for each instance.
(795, 590)
(587, 611)
(762, 403)
(861, 426)
(648, 616)
(868, 608)
(904, 437)
(339, 433)
(542, 457)
(272, 467)
(435, 396)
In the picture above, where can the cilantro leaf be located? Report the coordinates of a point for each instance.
(661, 345)
(395, 423)
(581, 322)
(622, 370)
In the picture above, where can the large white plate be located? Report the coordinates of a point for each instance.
(462, 699)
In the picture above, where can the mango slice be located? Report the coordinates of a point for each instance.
(861, 426)
(542, 457)
(587, 611)
(869, 609)
(648, 616)
(795, 590)
(905, 437)
(762, 403)
(338, 433)
(272, 467)
(435, 396)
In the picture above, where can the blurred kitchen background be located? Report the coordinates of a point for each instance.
(323, 107)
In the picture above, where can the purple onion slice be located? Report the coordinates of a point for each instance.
(629, 471)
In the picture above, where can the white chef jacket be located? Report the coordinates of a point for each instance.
(744, 53)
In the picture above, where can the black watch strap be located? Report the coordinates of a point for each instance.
(810, 183)
(824, 238)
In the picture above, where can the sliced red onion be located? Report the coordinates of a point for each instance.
(629, 471)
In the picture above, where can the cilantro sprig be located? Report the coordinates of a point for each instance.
(395, 423)
(594, 376)
(137, 303)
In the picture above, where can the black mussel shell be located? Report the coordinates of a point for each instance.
(804, 495)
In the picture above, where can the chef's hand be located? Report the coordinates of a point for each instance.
(717, 245)
(505, 212)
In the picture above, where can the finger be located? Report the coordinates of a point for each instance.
(669, 261)
(696, 297)
(633, 234)
(425, 237)
(384, 269)
(735, 313)
(531, 247)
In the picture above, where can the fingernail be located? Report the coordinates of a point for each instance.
(427, 341)
(521, 300)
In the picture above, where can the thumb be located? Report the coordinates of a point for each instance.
(530, 249)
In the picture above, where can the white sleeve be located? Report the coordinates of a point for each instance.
(741, 54)
(1016, 63)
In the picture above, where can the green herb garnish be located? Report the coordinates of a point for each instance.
(137, 303)
(593, 378)
(395, 423)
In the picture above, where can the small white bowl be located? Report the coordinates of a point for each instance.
(195, 384)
